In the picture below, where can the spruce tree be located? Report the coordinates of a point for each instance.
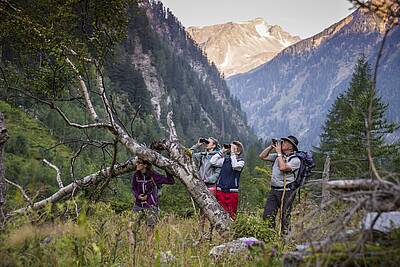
(345, 130)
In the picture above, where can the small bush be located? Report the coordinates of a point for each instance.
(255, 226)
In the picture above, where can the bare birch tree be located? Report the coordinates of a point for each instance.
(3, 139)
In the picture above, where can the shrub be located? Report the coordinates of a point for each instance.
(253, 226)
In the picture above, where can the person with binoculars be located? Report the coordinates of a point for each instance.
(284, 172)
(230, 160)
(207, 172)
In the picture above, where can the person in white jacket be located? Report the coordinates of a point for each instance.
(231, 161)
(207, 172)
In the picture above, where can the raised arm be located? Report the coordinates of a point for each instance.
(237, 163)
(196, 146)
(163, 179)
(196, 155)
(283, 165)
(265, 153)
(217, 160)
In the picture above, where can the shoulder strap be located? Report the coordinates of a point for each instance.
(293, 156)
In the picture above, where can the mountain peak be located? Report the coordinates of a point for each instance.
(242, 46)
(252, 21)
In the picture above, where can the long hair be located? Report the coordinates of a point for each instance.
(149, 166)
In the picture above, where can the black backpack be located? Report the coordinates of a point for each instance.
(307, 163)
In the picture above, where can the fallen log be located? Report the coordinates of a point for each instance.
(358, 185)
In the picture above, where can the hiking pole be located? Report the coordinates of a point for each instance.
(282, 199)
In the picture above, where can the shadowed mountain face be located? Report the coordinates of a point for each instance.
(239, 47)
(292, 93)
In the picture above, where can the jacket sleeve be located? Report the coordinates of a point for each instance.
(237, 164)
(195, 147)
(163, 179)
(134, 187)
(196, 156)
(213, 178)
(217, 160)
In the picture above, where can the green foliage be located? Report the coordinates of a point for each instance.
(17, 145)
(345, 133)
(99, 237)
(253, 188)
(254, 226)
(176, 199)
(25, 150)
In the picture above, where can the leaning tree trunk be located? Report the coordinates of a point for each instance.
(182, 167)
(3, 139)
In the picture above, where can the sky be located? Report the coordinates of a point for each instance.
(298, 17)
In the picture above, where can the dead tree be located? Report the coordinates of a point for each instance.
(3, 140)
(178, 163)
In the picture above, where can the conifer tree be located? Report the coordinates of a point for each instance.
(345, 131)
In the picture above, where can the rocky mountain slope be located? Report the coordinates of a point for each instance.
(161, 68)
(292, 93)
(239, 47)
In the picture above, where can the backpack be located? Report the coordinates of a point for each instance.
(307, 163)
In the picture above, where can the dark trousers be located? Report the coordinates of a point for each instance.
(273, 204)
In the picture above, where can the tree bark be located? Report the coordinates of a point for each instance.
(3, 140)
(380, 196)
(356, 185)
(58, 173)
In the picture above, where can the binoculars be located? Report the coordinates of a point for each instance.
(227, 146)
(204, 141)
(276, 141)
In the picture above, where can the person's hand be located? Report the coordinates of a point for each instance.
(224, 150)
(199, 142)
(142, 197)
(235, 150)
(278, 147)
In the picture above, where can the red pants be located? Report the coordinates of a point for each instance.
(229, 201)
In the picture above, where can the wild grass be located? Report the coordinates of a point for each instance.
(100, 237)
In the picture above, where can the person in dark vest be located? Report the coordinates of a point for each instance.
(207, 172)
(284, 171)
(145, 182)
(231, 161)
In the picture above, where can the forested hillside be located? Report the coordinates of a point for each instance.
(159, 64)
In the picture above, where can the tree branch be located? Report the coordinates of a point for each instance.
(27, 198)
(89, 180)
(84, 92)
(100, 86)
(173, 136)
(58, 177)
